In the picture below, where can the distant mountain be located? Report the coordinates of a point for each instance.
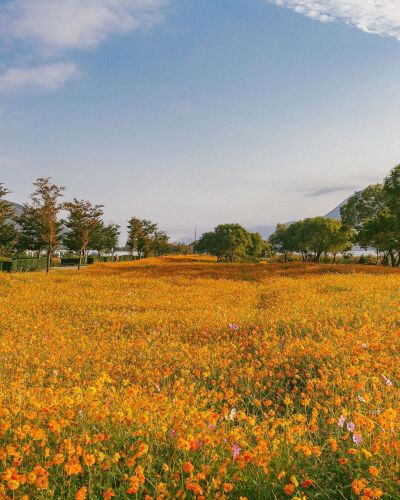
(335, 213)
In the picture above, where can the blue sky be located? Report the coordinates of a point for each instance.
(194, 113)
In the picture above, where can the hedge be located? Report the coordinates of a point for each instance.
(22, 265)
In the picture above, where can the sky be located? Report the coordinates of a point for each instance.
(195, 113)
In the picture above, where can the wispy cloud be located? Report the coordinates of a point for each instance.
(44, 30)
(43, 78)
(74, 24)
(381, 17)
(331, 189)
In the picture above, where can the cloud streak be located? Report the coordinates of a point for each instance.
(45, 78)
(329, 190)
(380, 17)
(57, 25)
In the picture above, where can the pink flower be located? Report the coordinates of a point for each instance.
(236, 450)
(211, 426)
(388, 382)
(173, 434)
(357, 438)
(350, 426)
(341, 421)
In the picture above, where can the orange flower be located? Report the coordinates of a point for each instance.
(188, 467)
(228, 487)
(81, 494)
(373, 471)
(13, 484)
(289, 489)
(108, 494)
(89, 460)
(42, 482)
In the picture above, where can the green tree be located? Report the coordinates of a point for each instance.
(363, 205)
(280, 241)
(160, 244)
(8, 234)
(83, 217)
(104, 238)
(342, 239)
(140, 236)
(382, 233)
(227, 241)
(39, 223)
(257, 248)
(29, 230)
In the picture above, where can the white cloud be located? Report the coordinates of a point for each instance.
(46, 77)
(42, 30)
(381, 17)
(74, 24)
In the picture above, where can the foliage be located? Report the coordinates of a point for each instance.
(8, 234)
(140, 236)
(83, 218)
(375, 214)
(312, 237)
(22, 265)
(200, 379)
(232, 242)
(104, 238)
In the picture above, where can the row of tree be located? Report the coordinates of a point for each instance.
(312, 238)
(233, 242)
(374, 215)
(40, 228)
(370, 218)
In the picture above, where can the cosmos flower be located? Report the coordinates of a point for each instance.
(236, 450)
(351, 426)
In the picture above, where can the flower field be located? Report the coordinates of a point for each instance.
(185, 378)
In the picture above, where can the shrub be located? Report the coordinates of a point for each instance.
(22, 265)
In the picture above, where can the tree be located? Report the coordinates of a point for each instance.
(83, 217)
(227, 241)
(342, 239)
(257, 248)
(363, 205)
(8, 234)
(279, 240)
(40, 227)
(111, 237)
(391, 189)
(29, 229)
(160, 243)
(104, 238)
(140, 234)
(381, 233)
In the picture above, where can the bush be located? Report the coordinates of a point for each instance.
(55, 262)
(22, 265)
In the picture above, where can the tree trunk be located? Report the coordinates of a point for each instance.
(334, 258)
(80, 258)
(48, 257)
